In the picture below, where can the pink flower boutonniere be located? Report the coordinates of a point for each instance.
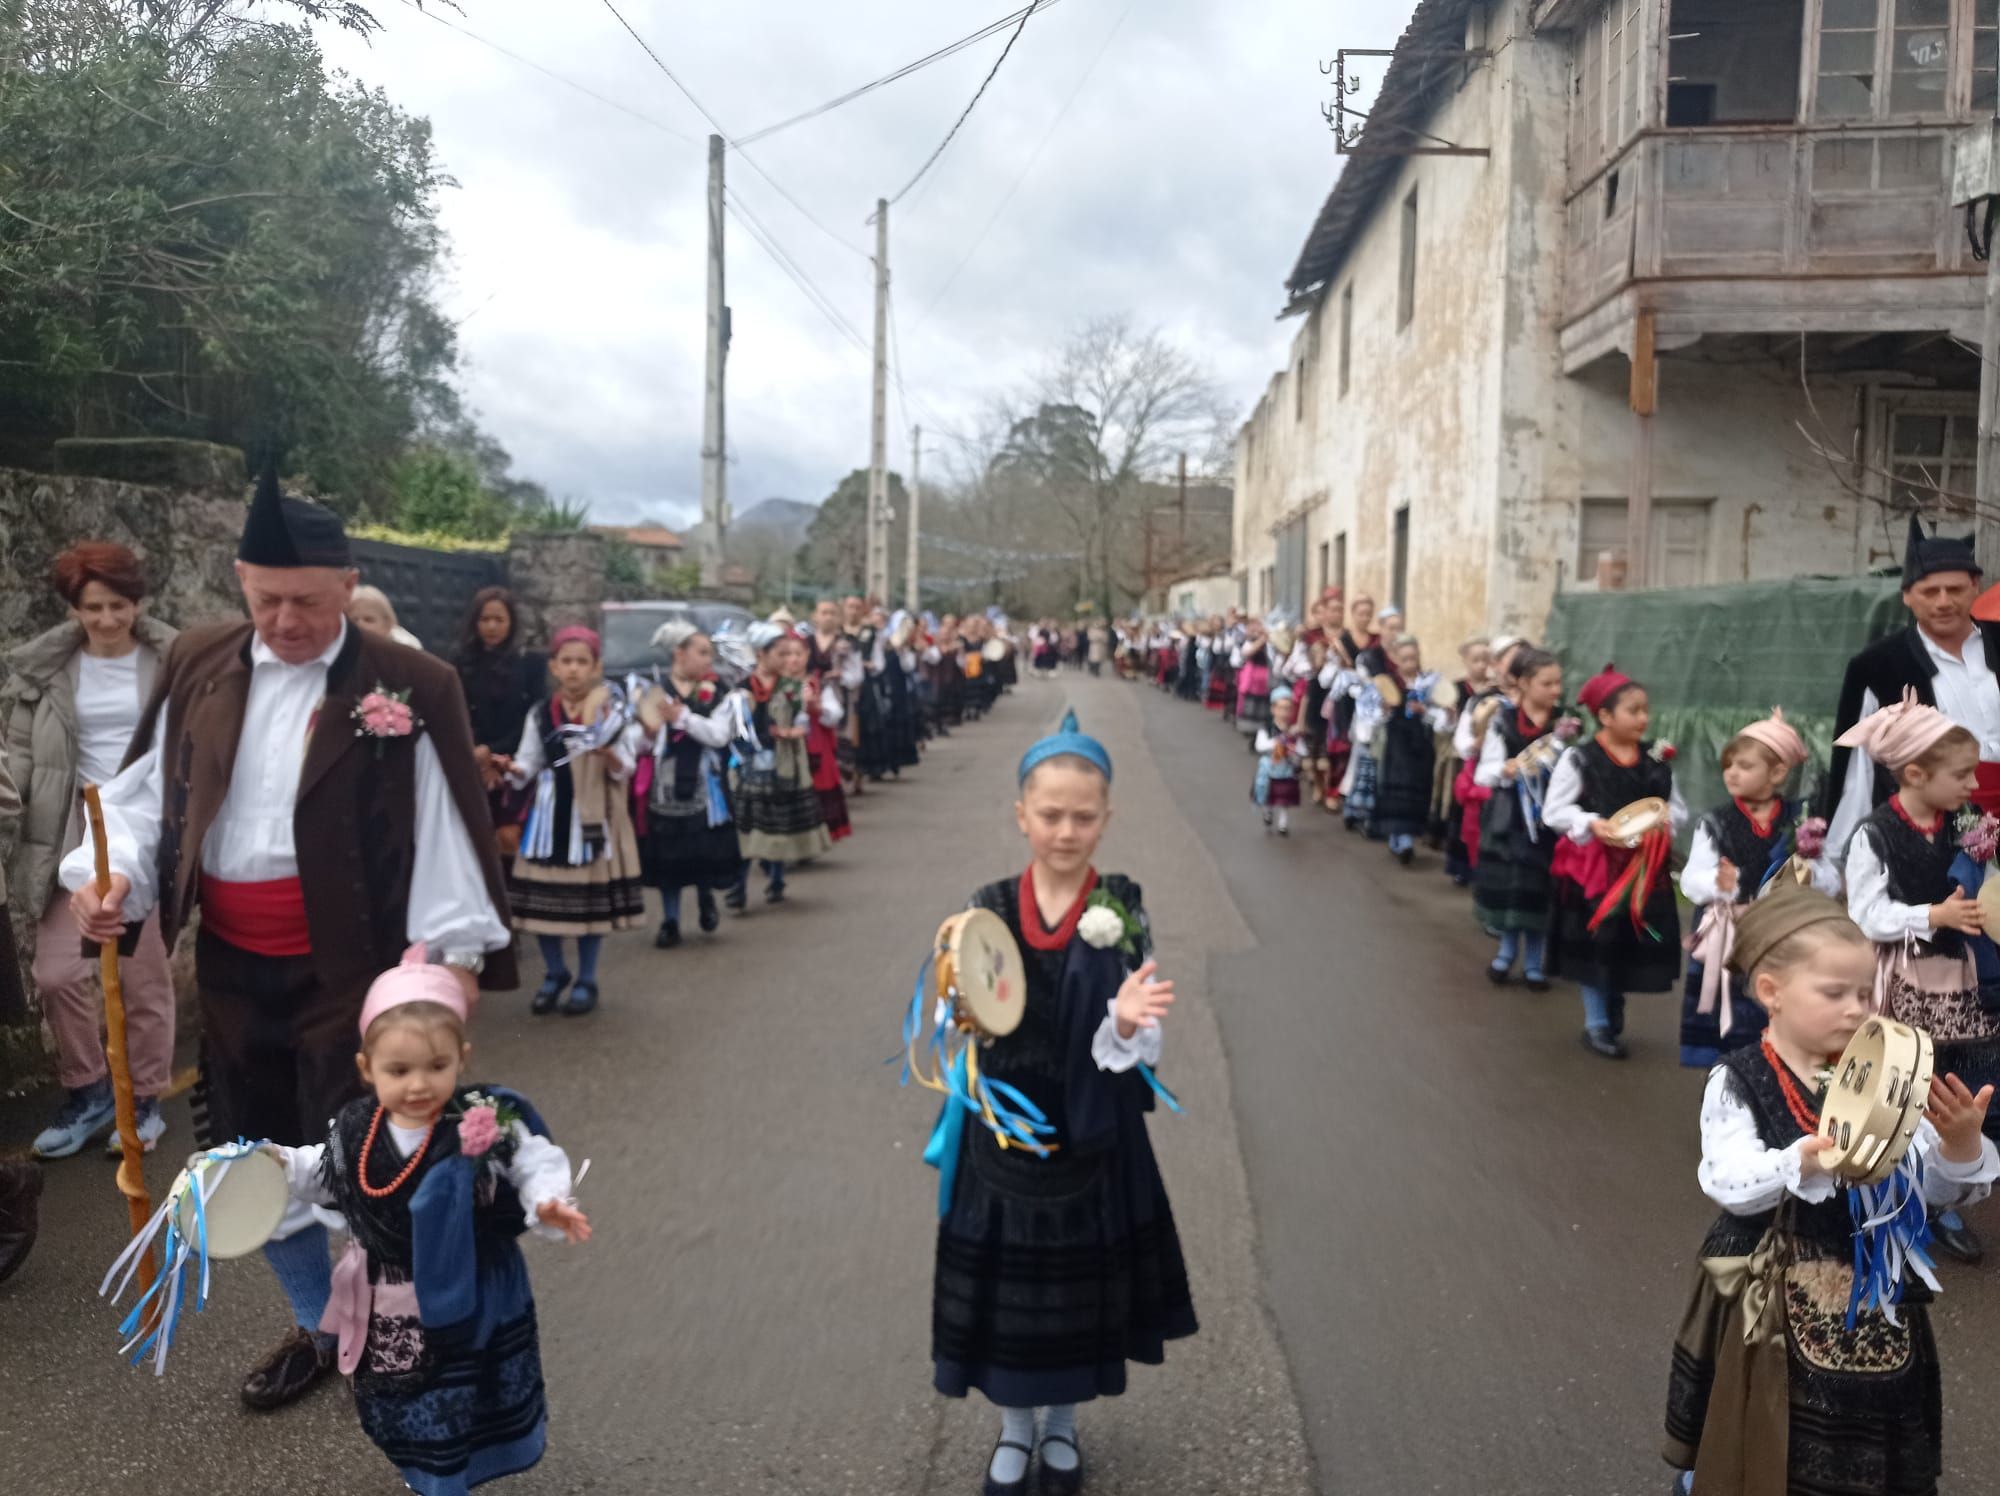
(1981, 839)
(1665, 752)
(1809, 841)
(384, 714)
(1568, 729)
(706, 695)
(478, 1130)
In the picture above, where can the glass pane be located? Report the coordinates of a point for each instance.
(1850, 52)
(1919, 436)
(1965, 438)
(1845, 98)
(1923, 13)
(1985, 54)
(1839, 14)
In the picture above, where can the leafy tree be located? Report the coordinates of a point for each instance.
(443, 491)
(203, 235)
(835, 553)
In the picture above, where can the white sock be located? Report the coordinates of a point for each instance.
(1017, 1426)
(1060, 1421)
(1284, 820)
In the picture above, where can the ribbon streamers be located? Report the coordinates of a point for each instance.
(1892, 1233)
(1634, 886)
(182, 1258)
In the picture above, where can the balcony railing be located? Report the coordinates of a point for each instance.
(1765, 201)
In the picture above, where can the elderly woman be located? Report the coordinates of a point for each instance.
(71, 704)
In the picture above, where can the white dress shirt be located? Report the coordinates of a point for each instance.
(1563, 811)
(252, 841)
(1966, 690)
(1881, 918)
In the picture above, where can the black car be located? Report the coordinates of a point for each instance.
(629, 629)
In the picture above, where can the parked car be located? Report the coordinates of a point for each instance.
(629, 628)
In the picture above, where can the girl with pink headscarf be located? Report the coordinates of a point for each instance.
(1738, 848)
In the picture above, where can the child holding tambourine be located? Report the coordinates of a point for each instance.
(1795, 1400)
(1057, 1264)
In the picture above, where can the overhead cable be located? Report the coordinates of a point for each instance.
(957, 124)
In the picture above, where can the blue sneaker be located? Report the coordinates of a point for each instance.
(151, 1126)
(84, 1115)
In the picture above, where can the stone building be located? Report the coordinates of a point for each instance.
(1688, 302)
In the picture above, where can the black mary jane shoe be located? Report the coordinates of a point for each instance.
(1012, 1487)
(669, 936)
(1060, 1482)
(1959, 1242)
(711, 917)
(1603, 1043)
(582, 1000)
(547, 996)
(1499, 976)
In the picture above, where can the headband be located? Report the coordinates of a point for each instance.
(1778, 735)
(1766, 923)
(576, 633)
(414, 981)
(1900, 734)
(763, 635)
(1067, 741)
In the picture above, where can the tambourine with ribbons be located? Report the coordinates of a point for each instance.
(1644, 828)
(226, 1203)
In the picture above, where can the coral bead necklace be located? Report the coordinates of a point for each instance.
(409, 1168)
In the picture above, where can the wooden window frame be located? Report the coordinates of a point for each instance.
(1956, 104)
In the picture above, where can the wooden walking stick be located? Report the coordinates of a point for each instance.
(132, 1167)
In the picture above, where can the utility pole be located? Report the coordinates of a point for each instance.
(878, 429)
(1975, 191)
(916, 603)
(714, 441)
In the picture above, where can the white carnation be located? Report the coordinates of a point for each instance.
(1101, 927)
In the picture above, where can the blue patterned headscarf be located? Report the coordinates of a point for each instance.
(1067, 741)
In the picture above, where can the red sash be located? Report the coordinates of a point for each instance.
(265, 919)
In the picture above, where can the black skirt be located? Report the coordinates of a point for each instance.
(1510, 889)
(1617, 958)
(1053, 1273)
(687, 852)
(1404, 777)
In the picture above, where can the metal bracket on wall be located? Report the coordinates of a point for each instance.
(1351, 125)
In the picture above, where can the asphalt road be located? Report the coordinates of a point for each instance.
(1435, 1247)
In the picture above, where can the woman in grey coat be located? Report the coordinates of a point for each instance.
(71, 703)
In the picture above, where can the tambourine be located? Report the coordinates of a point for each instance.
(1482, 717)
(1543, 753)
(1391, 692)
(978, 971)
(1875, 1101)
(243, 1198)
(994, 650)
(1635, 822)
(652, 709)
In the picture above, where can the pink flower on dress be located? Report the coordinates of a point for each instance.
(478, 1130)
(1810, 839)
(1981, 841)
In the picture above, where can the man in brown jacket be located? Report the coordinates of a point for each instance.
(311, 789)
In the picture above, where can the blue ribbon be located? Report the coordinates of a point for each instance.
(1891, 1235)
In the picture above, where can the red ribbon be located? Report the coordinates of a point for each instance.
(1634, 886)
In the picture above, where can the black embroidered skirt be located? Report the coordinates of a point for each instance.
(684, 851)
(1053, 1273)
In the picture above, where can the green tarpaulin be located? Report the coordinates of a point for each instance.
(1714, 659)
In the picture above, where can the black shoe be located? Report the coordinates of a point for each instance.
(1061, 1482)
(20, 1213)
(1538, 984)
(710, 916)
(582, 1000)
(1603, 1043)
(547, 996)
(774, 893)
(1499, 976)
(1960, 1242)
(1407, 856)
(291, 1369)
(736, 898)
(1012, 1487)
(669, 936)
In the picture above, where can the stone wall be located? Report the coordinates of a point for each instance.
(557, 579)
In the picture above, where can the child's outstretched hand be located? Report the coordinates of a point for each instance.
(573, 1223)
(1957, 1115)
(1142, 1002)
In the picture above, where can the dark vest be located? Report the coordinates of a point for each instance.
(1828, 1224)
(1609, 786)
(1737, 840)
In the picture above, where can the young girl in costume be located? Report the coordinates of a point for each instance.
(431, 1303)
(578, 872)
(826, 685)
(1617, 927)
(1406, 752)
(1807, 1405)
(1738, 848)
(1054, 1270)
(1252, 663)
(777, 810)
(1902, 892)
(1510, 892)
(690, 832)
(1281, 751)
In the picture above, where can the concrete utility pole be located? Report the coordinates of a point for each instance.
(878, 428)
(1978, 185)
(916, 602)
(714, 441)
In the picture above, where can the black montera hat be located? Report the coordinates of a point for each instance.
(284, 531)
(1927, 555)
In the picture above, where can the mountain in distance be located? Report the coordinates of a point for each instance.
(784, 519)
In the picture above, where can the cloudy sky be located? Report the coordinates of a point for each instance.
(1170, 158)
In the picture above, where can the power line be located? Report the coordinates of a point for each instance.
(991, 29)
(1048, 135)
(769, 243)
(716, 125)
(957, 124)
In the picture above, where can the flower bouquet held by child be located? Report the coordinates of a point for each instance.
(1805, 1360)
(1057, 1259)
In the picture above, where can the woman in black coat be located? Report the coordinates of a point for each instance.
(502, 683)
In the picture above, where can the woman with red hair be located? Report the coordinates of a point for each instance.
(71, 704)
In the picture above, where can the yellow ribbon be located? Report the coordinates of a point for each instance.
(1756, 1280)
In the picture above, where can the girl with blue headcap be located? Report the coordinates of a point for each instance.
(1059, 1264)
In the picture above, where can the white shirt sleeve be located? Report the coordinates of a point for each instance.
(1948, 1184)
(831, 712)
(1117, 1054)
(712, 731)
(529, 759)
(132, 806)
(1704, 865)
(450, 909)
(539, 1173)
(1857, 792)
(1881, 918)
(302, 1173)
(1492, 770)
(625, 751)
(1560, 810)
(1266, 740)
(1737, 1171)
(1329, 675)
(1236, 658)
(1463, 744)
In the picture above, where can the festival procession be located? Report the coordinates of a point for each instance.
(1426, 921)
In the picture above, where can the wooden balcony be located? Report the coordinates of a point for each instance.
(1769, 229)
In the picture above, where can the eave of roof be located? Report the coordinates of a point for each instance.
(1401, 106)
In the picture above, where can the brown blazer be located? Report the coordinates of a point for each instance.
(354, 825)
